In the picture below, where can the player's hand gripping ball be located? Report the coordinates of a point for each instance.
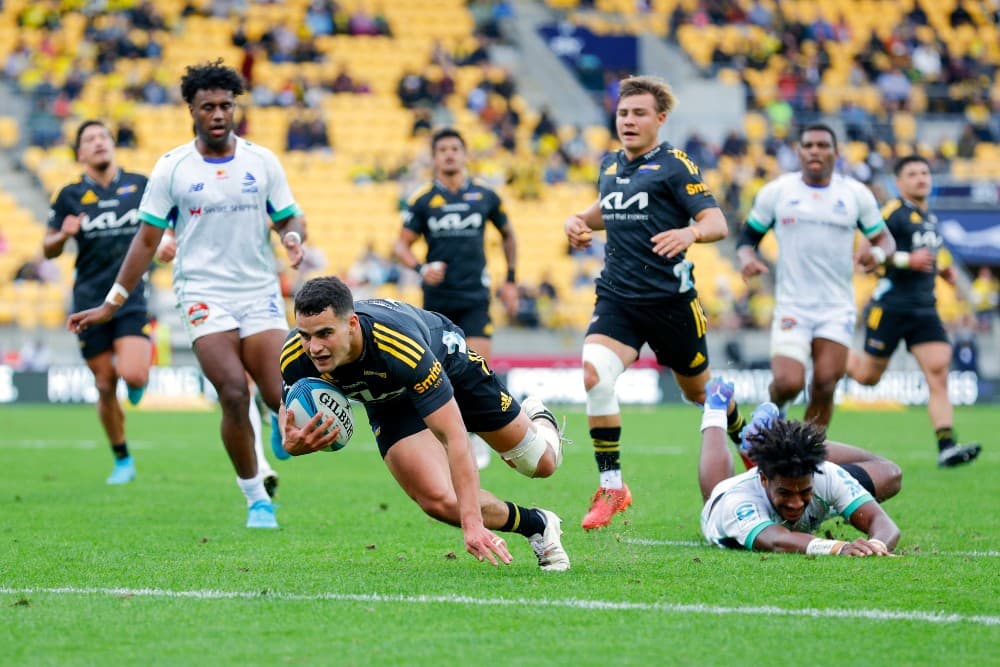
(311, 395)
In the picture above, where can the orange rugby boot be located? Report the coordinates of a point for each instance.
(604, 505)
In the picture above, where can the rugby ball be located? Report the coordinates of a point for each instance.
(311, 395)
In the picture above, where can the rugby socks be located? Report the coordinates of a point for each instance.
(253, 488)
(734, 424)
(523, 521)
(606, 453)
(120, 451)
(945, 437)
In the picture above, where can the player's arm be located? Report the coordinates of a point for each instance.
(578, 227)
(709, 226)
(447, 425)
(881, 246)
(751, 263)
(778, 539)
(136, 263)
(508, 290)
(292, 232)
(62, 225)
(881, 530)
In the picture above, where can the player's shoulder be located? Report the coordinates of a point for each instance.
(853, 185)
(255, 149)
(292, 354)
(70, 188)
(609, 163)
(421, 194)
(175, 156)
(477, 184)
(893, 207)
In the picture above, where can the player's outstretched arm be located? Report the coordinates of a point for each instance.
(137, 260)
(779, 539)
(873, 521)
(447, 425)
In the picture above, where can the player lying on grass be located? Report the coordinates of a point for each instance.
(799, 481)
(424, 390)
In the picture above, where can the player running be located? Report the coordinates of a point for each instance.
(904, 307)
(99, 212)
(649, 194)
(221, 193)
(424, 389)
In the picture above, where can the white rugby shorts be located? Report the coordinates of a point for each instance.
(248, 316)
(794, 328)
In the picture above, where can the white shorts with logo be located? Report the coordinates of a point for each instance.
(248, 316)
(794, 328)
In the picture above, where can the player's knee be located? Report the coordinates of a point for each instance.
(601, 370)
(868, 377)
(785, 386)
(823, 387)
(136, 378)
(891, 482)
(234, 397)
(535, 455)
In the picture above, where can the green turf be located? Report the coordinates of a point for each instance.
(357, 575)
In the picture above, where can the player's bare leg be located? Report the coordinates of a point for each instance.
(132, 358)
(219, 357)
(109, 411)
(934, 359)
(886, 478)
(419, 464)
(788, 381)
(604, 360)
(261, 354)
(829, 365)
(866, 369)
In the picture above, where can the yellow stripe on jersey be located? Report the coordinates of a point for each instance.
(419, 192)
(890, 208)
(874, 317)
(290, 352)
(700, 320)
(398, 345)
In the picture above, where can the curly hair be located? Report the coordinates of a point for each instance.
(788, 448)
(211, 76)
(318, 294)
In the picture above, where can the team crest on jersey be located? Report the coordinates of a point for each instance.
(126, 189)
(787, 323)
(915, 218)
(745, 513)
(472, 196)
(249, 183)
(197, 313)
(436, 201)
(839, 206)
(88, 197)
(221, 174)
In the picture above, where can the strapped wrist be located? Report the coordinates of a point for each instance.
(511, 276)
(878, 254)
(901, 259)
(117, 295)
(295, 236)
(821, 547)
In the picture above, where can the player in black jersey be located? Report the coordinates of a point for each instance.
(904, 307)
(422, 388)
(99, 212)
(450, 213)
(649, 192)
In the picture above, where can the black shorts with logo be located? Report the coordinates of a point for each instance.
(674, 330)
(885, 328)
(100, 338)
(473, 319)
(485, 403)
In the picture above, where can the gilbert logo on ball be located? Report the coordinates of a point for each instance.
(309, 396)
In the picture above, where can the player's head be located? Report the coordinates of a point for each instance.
(327, 324)
(210, 91)
(787, 454)
(448, 152)
(94, 146)
(913, 177)
(817, 149)
(643, 105)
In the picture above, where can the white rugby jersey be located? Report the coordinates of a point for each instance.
(738, 509)
(221, 210)
(815, 231)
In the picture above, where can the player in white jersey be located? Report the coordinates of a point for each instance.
(814, 214)
(221, 194)
(794, 487)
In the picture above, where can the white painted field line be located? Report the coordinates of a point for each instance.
(662, 607)
(693, 543)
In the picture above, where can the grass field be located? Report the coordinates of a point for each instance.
(162, 571)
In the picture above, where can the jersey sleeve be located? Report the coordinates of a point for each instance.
(684, 182)
(157, 206)
(61, 207)
(415, 213)
(761, 217)
(897, 219)
(412, 363)
(280, 202)
(742, 518)
(841, 491)
(497, 214)
(869, 216)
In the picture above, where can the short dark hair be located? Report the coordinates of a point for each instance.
(445, 133)
(909, 159)
(318, 294)
(819, 127)
(788, 448)
(83, 127)
(211, 76)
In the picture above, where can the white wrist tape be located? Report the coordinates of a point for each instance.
(711, 418)
(879, 254)
(877, 542)
(901, 259)
(117, 295)
(295, 236)
(820, 547)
